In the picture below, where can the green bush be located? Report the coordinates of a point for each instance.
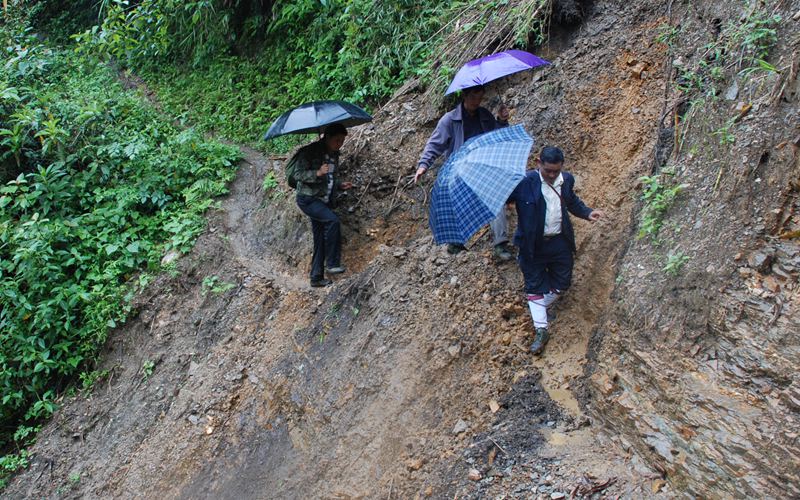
(95, 187)
(356, 50)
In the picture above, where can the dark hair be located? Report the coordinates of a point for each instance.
(551, 155)
(476, 88)
(335, 129)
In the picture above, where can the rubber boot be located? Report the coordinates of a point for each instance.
(540, 341)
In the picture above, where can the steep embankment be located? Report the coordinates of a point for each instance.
(698, 368)
(413, 369)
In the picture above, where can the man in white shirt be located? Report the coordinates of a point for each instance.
(544, 235)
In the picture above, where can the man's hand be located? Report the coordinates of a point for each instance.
(420, 171)
(345, 186)
(323, 170)
(596, 215)
(503, 114)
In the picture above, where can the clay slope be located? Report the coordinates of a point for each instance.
(698, 368)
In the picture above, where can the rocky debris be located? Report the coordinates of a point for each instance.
(732, 92)
(743, 357)
(759, 261)
(170, 257)
(414, 464)
(460, 427)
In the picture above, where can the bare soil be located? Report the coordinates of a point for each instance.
(411, 376)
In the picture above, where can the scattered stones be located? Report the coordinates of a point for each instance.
(474, 475)
(234, 375)
(759, 261)
(454, 350)
(170, 257)
(638, 69)
(733, 92)
(557, 495)
(460, 427)
(413, 464)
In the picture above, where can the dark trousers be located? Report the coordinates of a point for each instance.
(327, 234)
(551, 266)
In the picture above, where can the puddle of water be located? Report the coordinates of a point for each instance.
(565, 399)
(559, 366)
(573, 439)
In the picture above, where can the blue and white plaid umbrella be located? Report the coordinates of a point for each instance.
(475, 182)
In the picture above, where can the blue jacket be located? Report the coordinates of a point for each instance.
(531, 209)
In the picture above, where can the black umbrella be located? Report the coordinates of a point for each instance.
(314, 116)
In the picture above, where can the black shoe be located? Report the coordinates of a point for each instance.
(320, 282)
(541, 340)
(336, 270)
(454, 248)
(502, 253)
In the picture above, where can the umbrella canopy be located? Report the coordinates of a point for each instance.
(484, 70)
(476, 181)
(314, 116)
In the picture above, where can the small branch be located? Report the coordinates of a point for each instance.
(499, 447)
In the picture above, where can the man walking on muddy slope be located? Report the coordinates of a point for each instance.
(544, 235)
(313, 167)
(467, 120)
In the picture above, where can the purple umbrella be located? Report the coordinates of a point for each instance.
(484, 70)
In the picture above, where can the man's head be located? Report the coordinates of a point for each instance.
(473, 97)
(550, 162)
(334, 136)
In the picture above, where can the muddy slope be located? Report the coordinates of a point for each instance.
(410, 376)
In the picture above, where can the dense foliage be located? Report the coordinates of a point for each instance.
(95, 188)
(357, 50)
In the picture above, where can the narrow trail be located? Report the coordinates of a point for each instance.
(243, 226)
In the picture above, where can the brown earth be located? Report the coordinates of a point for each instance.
(411, 376)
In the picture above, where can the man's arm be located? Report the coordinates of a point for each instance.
(435, 147)
(575, 205)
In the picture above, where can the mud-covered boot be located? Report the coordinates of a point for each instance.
(454, 248)
(540, 341)
(502, 252)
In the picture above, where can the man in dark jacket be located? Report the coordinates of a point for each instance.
(544, 235)
(315, 169)
(467, 120)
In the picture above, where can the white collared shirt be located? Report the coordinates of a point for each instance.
(552, 197)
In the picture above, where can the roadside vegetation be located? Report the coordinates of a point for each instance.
(96, 187)
(234, 74)
(731, 67)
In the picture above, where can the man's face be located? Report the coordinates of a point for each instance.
(335, 142)
(472, 100)
(550, 171)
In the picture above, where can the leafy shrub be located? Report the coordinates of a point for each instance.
(658, 196)
(356, 50)
(95, 187)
